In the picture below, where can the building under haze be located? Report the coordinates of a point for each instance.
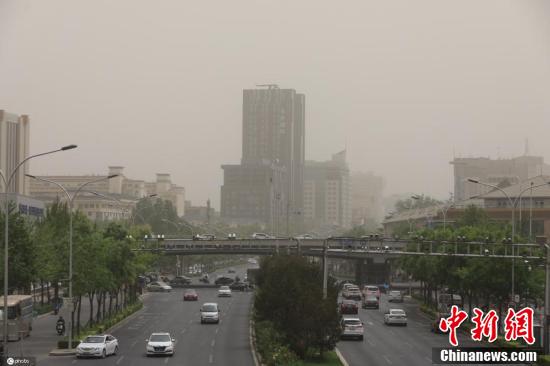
(125, 193)
(269, 180)
(327, 193)
(493, 171)
(367, 192)
(14, 147)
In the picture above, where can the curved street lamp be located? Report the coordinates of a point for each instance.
(7, 182)
(71, 204)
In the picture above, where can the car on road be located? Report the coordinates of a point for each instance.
(97, 346)
(239, 286)
(190, 295)
(351, 328)
(160, 344)
(371, 290)
(304, 237)
(352, 293)
(210, 313)
(395, 316)
(158, 286)
(395, 296)
(231, 270)
(371, 302)
(180, 281)
(231, 236)
(204, 237)
(223, 280)
(261, 236)
(349, 307)
(224, 291)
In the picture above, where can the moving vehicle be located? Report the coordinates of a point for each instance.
(222, 280)
(180, 281)
(395, 296)
(159, 287)
(239, 286)
(352, 328)
(210, 313)
(371, 301)
(231, 270)
(262, 236)
(371, 290)
(304, 237)
(204, 278)
(231, 236)
(97, 346)
(352, 293)
(395, 316)
(19, 316)
(349, 307)
(224, 291)
(204, 237)
(190, 295)
(160, 344)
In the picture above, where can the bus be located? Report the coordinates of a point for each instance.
(20, 309)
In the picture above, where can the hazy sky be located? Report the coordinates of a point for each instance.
(156, 86)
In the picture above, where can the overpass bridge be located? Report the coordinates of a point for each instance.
(350, 248)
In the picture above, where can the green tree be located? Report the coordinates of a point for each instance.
(422, 201)
(290, 295)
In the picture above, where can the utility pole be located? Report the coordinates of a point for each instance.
(545, 339)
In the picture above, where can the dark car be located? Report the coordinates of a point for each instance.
(180, 281)
(349, 307)
(239, 286)
(224, 281)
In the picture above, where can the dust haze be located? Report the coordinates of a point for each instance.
(157, 86)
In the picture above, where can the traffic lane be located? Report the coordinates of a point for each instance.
(240, 271)
(396, 345)
(167, 312)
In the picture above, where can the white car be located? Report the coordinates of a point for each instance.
(160, 344)
(97, 346)
(224, 291)
(352, 328)
(210, 313)
(159, 287)
(395, 316)
(261, 236)
(395, 296)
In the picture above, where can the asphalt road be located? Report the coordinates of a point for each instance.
(396, 345)
(226, 343)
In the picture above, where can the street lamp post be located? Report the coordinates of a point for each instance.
(71, 206)
(138, 214)
(513, 204)
(7, 182)
(414, 197)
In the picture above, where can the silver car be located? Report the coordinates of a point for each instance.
(395, 296)
(352, 328)
(395, 316)
(210, 313)
(160, 344)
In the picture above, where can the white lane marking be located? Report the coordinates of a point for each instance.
(213, 342)
(133, 344)
(370, 323)
(120, 359)
(387, 359)
(216, 331)
(408, 344)
(182, 331)
(210, 359)
(166, 360)
(74, 361)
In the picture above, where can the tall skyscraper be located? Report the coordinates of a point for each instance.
(14, 147)
(274, 141)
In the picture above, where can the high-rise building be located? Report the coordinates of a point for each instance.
(495, 172)
(274, 144)
(366, 198)
(327, 193)
(14, 147)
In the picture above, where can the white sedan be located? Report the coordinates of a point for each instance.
(224, 291)
(395, 316)
(97, 346)
(160, 344)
